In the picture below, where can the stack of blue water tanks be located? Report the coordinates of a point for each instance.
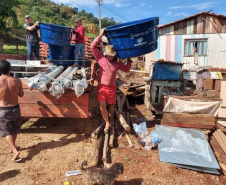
(61, 51)
(130, 39)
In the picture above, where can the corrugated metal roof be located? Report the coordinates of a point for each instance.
(201, 13)
(169, 62)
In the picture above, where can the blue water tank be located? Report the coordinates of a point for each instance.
(62, 55)
(55, 34)
(134, 38)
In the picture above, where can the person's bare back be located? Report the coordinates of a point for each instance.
(10, 89)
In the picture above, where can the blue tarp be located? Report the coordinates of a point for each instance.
(163, 71)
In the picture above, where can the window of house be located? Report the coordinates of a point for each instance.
(193, 46)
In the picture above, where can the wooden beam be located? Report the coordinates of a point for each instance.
(96, 133)
(122, 121)
(105, 148)
(112, 136)
(199, 119)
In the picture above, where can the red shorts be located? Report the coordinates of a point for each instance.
(107, 94)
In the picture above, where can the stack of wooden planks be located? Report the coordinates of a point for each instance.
(221, 138)
(204, 121)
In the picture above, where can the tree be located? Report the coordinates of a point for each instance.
(108, 22)
(8, 16)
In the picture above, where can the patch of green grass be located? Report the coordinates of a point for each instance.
(92, 35)
(11, 49)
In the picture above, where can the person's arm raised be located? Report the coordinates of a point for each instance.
(30, 28)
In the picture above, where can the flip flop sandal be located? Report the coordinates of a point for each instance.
(16, 160)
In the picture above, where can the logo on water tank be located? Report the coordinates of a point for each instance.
(140, 41)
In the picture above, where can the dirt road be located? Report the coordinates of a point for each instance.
(50, 147)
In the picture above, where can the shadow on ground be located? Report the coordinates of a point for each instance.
(9, 174)
(137, 181)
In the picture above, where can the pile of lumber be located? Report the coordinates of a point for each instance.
(221, 138)
(103, 142)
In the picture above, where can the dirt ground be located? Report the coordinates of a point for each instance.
(51, 147)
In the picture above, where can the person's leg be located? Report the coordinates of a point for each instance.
(104, 112)
(76, 54)
(111, 109)
(36, 51)
(83, 55)
(10, 142)
(14, 142)
(29, 51)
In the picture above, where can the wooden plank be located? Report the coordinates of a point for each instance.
(69, 98)
(176, 29)
(188, 28)
(208, 84)
(37, 104)
(188, 119)
(64, 111)
(207, 25)
(199, 25)
(183, 125)
(221, 139)
(181, 28)
(184, 27)
(195, 26)
(224, 26)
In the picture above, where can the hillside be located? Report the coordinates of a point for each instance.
(13, 11)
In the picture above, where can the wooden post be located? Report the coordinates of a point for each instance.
(98, 143)
(127, 104)
(105, 149)
(122, 121)
(128, 139)
(1, 46)
(96, 133)
(17, 49)
(147, 97)
(119, 103)
(112, 136)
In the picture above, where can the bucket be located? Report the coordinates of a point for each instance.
(62, 55)
(55, 34)
(134, 38)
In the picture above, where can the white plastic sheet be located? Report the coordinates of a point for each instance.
(182, 106)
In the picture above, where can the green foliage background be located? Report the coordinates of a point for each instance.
(12, 14)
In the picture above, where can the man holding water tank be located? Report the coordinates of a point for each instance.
(31, 38)
(79, 42)
(108, 67)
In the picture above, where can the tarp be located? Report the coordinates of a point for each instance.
(182, 106)
(166, 71)
(187, 148)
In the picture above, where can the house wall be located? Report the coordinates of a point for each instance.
(197, 25)
(171, 48)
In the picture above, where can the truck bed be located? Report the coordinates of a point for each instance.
(38, 104)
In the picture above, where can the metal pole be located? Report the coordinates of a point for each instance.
(99, 3)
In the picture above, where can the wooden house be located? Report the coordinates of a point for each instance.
(196, 40)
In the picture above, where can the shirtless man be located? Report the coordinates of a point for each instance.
(10, 117)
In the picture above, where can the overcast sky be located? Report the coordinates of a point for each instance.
(130, 10)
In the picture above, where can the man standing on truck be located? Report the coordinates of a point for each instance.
(10, 116)
(108, 67)
(31, 38)
(79, 42)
